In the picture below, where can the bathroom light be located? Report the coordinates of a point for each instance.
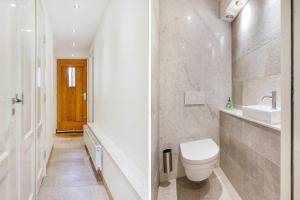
(13, 5)
(76, 6)
(229, 16)
(189, 18)
(238, 3)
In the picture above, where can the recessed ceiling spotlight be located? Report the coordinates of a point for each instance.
(72, 55)
(74, 44)
(76, 6)
(238, 3)
(13, 5)
(229, 16)
(74, 30)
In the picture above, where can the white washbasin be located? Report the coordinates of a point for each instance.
(263, 113)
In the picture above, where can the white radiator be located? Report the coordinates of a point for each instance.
(94, 147)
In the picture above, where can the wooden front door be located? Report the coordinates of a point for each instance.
(72, 96)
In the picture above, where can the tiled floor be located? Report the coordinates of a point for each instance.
(217, 187)
(70, 175)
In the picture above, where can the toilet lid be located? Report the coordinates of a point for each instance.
(200, 151)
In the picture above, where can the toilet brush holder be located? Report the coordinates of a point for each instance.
(167, 161)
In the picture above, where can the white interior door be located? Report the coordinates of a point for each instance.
(27, 91)
(17, 107)
(8, 110)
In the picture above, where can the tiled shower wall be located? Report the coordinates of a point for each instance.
(250, 158)
(256, 52)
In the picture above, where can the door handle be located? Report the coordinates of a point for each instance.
(84, 96)
(16, 99)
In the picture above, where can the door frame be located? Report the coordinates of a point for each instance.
(295, 63)
(286, 184)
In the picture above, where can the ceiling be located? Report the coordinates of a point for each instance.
(64, 17)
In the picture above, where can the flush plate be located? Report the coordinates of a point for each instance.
(194, 98)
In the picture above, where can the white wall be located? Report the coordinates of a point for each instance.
(121, 80)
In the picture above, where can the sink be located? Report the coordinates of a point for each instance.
(263, 114)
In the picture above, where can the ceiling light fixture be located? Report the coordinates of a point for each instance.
(74, 30)
(76, 6)
(13, 5)
(238, 3)
(72, 55)
(74, 44)
(229, 16)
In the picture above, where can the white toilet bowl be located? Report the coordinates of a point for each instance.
(199, 158)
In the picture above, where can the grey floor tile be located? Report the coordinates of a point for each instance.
(70, 175)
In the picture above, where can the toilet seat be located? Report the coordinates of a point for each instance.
(199, 152)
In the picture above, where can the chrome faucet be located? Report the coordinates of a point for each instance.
(273, 97)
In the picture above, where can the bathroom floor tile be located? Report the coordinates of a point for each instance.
(217, 187)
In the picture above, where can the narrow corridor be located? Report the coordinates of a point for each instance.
(70, 175)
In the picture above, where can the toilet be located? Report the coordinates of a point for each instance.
(199, 158)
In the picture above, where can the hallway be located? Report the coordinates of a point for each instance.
(74, 66)
(70, 175)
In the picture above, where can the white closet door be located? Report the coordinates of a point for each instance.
(17, 108)
(9, 112)
(27, 90)
(40, 95)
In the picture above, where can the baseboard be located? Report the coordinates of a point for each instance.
(106, 186)
(48, 159)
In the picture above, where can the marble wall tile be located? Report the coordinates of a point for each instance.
(257, 24)
(195, 54)
(256, 52)
(255, 89)
(271, 180)
(264, 61)
(155, 99)
(251, 188)
(265, 141)
(233, 171)
(251, 160)
(273, 57)
(237, 93)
